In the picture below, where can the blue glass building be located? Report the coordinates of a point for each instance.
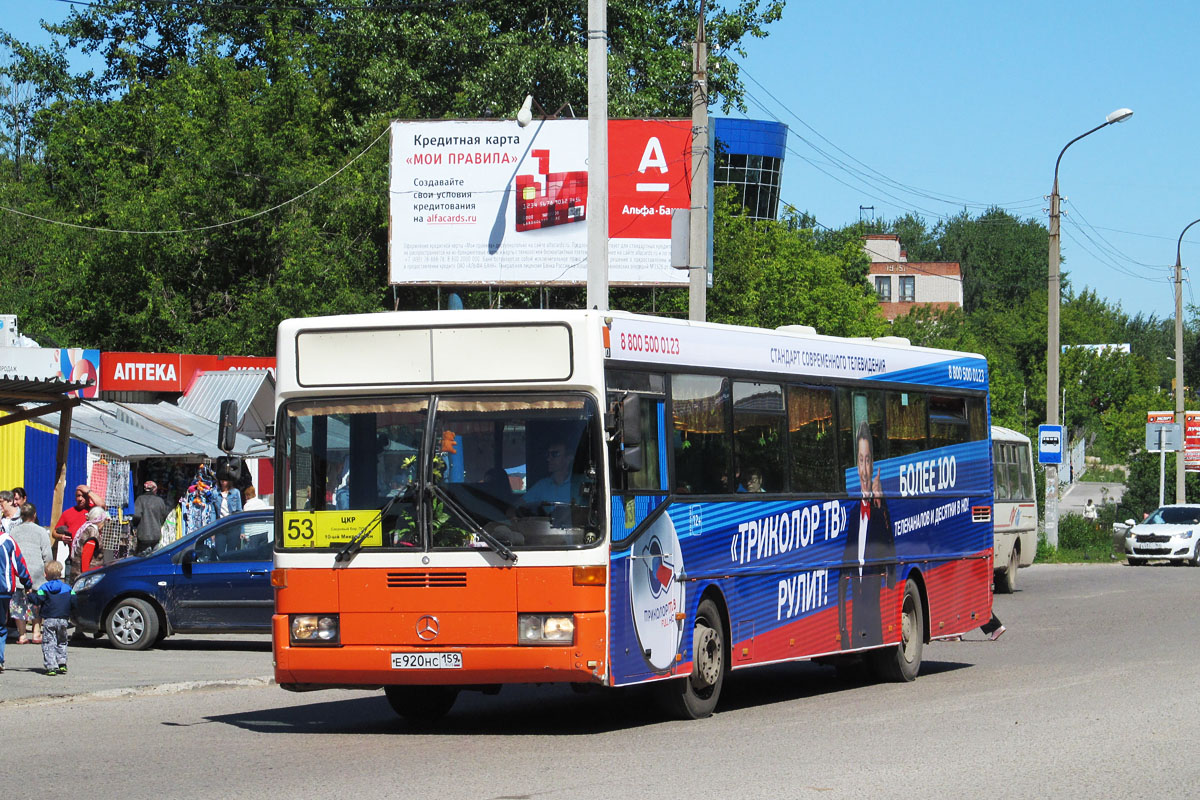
(750, 157)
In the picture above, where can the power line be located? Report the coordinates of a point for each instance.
(899, 185)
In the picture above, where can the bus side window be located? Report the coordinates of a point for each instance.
(650, 387)
(999, 472)
(650, 476)
(811, 429)
(759, 436)
(855, 407)
(1027, 490)
(700, 412)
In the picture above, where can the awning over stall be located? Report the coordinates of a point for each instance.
(136, 431)
(253, 389)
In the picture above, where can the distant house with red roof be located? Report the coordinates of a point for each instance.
(902, 285)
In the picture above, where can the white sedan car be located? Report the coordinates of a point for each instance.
(1171, 533)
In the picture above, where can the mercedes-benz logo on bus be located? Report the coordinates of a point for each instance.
(427, 627)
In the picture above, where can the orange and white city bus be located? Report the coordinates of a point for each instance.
(467, 499)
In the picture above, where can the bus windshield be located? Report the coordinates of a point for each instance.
(449, 471)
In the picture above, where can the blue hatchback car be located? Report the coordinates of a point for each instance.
(216, 580)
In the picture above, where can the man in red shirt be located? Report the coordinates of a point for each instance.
(72, 519)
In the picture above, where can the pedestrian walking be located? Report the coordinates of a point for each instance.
(34, 541)
(1090, 514)
(149, 511)
(55, 601)
(12, 571)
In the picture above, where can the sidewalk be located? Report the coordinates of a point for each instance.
(99, 669)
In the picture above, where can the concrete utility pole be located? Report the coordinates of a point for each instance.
(597, 211)
(1180, 461)
(698, 258)
(1054, 285)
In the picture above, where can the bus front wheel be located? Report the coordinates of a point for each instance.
(696, 696)
(902, 662)
(421, 703)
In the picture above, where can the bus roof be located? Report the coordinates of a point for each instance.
(1003, 434)
(552, 345)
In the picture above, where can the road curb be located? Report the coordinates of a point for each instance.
(138, 691)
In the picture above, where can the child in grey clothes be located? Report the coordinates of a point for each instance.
(55, 599)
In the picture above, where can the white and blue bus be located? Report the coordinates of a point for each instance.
(473, 498)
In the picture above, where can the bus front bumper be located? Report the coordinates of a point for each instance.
(302, 667)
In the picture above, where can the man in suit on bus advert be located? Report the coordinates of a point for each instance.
(869, 556)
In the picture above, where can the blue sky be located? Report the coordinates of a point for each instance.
(973, 102)
(962, 104)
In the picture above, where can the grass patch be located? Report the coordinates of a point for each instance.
(1079, 541)
(1103, 474)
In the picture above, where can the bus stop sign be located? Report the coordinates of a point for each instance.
(1050, 444)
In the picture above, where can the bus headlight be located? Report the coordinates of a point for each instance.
(545, 628)
(314, 628)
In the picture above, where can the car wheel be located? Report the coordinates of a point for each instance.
(421, 704)
(132, 624)
(1195, 559)
(1007, 580)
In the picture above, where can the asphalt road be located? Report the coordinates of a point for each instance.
(1100, 493)
(1090, 693)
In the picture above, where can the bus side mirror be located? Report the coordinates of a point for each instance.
(633, 459)
(631, 420)
(227, 426)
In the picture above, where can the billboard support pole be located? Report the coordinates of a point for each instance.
(597, 202)
(698, 274)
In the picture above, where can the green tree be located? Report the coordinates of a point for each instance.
(206, 113)
(769, 274)
(1001, 256)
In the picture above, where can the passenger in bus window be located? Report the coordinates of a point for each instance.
(869, 556)
(754, 481)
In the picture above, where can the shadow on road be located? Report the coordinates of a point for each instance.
(181, 644)
(551, 710)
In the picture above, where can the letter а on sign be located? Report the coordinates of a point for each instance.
(653, 156)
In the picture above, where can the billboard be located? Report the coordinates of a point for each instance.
(1191, 441)
(492, 203)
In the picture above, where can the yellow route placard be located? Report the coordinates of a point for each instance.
(329, 528)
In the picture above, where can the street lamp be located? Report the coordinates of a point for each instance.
(1179, 458)
(1052, 347)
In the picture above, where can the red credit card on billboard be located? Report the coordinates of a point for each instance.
(550, 198)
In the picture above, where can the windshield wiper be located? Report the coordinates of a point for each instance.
(452, 504)
(351, 547)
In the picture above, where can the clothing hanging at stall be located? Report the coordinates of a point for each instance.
(200, 501)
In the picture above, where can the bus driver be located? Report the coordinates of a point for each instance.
(559, 487)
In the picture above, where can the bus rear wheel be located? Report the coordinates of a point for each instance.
(1006, 582)
(421, 703)
(902, 662)
(696, 696)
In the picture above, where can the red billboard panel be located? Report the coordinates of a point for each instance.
(167, 372)
(649, 175)
(1191, 441)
